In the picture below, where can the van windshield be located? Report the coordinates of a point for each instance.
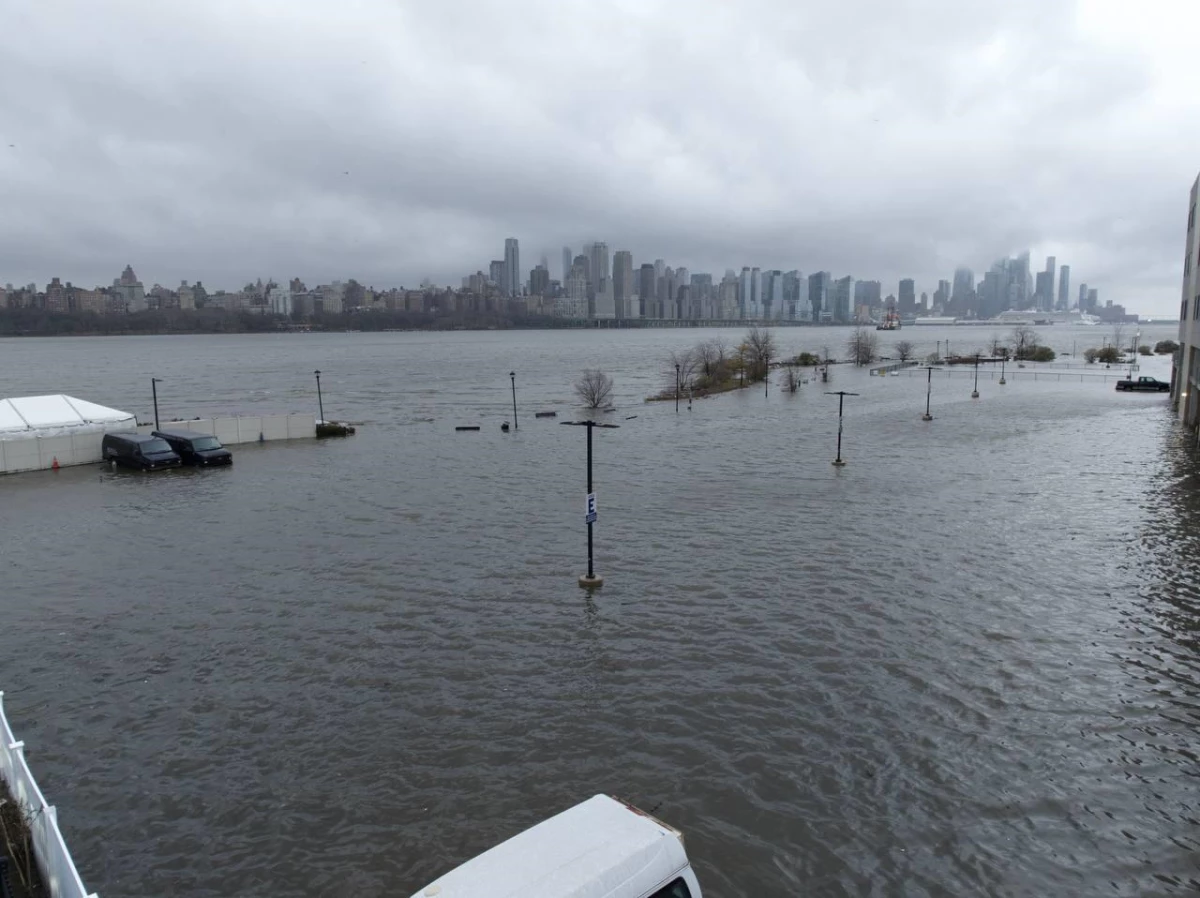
(150, 447)
(202, 443)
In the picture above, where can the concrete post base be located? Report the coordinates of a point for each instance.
(974, 394)
(839, 462)
(1003, 381)
(927, 417)
(591, 582)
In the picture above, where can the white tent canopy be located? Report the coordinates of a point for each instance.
(36, 416)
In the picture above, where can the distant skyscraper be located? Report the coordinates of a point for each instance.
(1064, 288)
(1093, 299)
(744, 293)
(908, 298)
(576, 305)
(702, 296)
(941, 296)
(539, 281)
(512, 267)
(566, 257)
(962, 293)
(818, 296)
(1044, 293)
(622, 280)
(755, 293)
(600, 266)
(791, 294)
(1083, 288)
(1019, 282)
(496, 273)
(666, 293)
(869, 294)
(843, 293)
(647, 291)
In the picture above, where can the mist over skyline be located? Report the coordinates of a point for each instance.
(393, 142)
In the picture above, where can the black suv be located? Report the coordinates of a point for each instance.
(138, 450)
(196, 448)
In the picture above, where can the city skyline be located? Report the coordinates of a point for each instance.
(1049, 126)
(599, 287)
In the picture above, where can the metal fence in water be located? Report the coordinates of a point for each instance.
(50, 851)
(991, 373)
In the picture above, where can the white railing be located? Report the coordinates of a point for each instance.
(49, 850)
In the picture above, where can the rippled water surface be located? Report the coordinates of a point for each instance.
(967, 663)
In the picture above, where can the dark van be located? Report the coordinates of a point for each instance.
(196, 448)
(138, 450)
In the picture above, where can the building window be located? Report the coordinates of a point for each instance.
(1183, 311)
(1196, 307)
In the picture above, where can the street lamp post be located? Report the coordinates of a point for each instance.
(1003, 361)
(928, 392)
(840, 462)
(320, 403)
(154, 382)
(590, 580)
(676, 389)
(975, 391)
(938, 356)
(513, 376)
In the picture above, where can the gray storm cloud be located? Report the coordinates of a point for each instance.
(392, 141)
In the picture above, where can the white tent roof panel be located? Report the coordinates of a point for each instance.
(29, 415)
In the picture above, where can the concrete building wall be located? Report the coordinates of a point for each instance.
(40, 454)
(1187, 361)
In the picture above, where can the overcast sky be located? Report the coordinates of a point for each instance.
(392, 140)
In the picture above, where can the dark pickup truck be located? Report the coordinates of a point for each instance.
(1145, 385)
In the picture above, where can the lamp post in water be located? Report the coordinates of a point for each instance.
(677, 388)
(840, 462)
(513, 377)
(590, 580)
(928, 392)
(1003, 361)
(320, 404)
(975, 391)
(154, 382)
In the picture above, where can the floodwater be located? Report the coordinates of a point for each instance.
(966, 663)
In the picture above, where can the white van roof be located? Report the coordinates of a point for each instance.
(601, 848)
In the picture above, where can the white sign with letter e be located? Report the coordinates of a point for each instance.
(590, 517)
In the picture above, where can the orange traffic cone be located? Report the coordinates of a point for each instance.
(54, 465)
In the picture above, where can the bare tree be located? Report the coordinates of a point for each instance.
(997, 346)
(760, 347)
(863, 346)
(594, 388)
(791, 380)
(905, 349)
(1118, 336)
(1024, 341)
(684, 365)
(710, 355)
